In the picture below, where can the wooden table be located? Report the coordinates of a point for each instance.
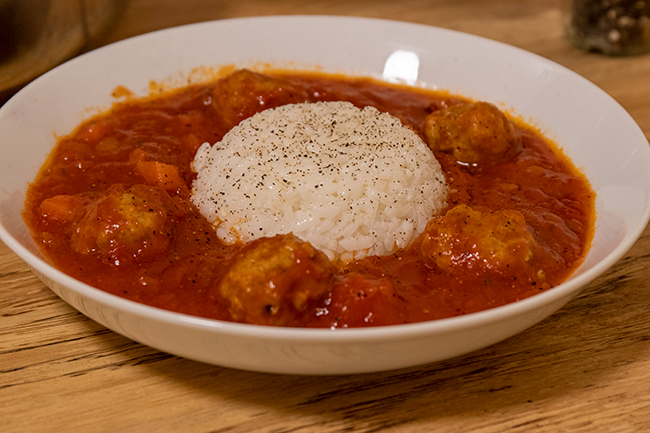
(585, 369)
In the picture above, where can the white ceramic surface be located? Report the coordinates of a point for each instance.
(592, 128)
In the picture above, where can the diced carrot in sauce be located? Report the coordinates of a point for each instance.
(138, 155)
(61, 208)
(95, 132)
(161, 175)
(192, 143)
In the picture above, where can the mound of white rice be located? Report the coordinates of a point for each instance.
(351, 182)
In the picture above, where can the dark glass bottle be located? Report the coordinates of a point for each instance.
(613, 27)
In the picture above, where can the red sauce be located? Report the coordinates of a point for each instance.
(152, 142)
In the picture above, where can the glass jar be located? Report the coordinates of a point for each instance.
(612, 27)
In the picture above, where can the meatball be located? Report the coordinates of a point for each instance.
(125, 225)
(473, 133)
(468, 239)
(245, 93)
(272, 280)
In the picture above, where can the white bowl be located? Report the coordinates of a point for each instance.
(595, 132)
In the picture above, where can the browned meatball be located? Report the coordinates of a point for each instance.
(272, 280)
(245, 93)
(473, 133)
(125, 225)
(466, 239)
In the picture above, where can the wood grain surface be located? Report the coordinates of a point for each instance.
(585, 369)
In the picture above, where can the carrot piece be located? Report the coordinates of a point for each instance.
(192, 143)
(159, 174)
(61, 208)
(94, 132)
(137, 156)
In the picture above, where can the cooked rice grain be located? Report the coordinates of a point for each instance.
(352, 182)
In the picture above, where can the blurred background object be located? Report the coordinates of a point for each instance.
(36, 35)
(613, 27)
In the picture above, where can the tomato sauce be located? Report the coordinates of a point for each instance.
(152, 142)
